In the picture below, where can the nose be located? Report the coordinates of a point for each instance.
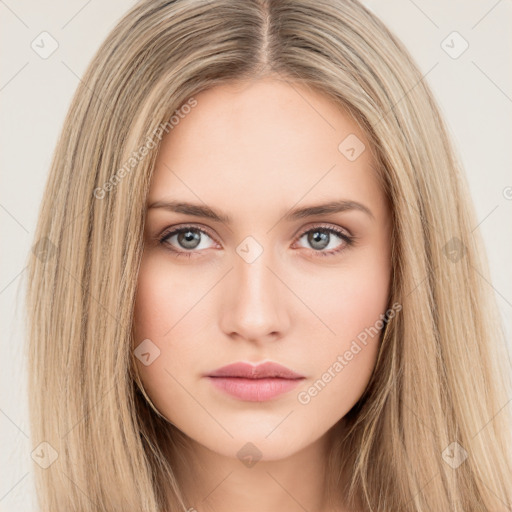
(254, 305)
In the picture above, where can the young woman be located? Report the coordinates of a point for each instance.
(256, 283)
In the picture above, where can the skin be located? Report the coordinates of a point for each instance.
(254, 151)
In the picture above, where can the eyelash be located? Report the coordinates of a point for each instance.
(349, 240)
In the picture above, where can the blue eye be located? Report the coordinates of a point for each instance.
(190, 240)
(319, 238)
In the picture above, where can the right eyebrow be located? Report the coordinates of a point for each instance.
(198, 210)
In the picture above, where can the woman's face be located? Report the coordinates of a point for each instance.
(277, 282)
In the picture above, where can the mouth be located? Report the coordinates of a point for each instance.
(255, 383)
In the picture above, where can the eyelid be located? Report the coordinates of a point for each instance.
(172, 231)
(339, 231)
(348, 239)
(325, 225)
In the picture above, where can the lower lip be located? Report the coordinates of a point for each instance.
(254, 390)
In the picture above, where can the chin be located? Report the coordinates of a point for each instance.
(254, 442)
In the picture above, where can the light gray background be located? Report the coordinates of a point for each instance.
(474, 92)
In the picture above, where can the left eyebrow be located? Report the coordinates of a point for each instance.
(328, 208)
(199, 210)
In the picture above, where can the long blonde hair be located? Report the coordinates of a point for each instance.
(440, 386)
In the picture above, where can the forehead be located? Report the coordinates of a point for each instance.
(266, 140)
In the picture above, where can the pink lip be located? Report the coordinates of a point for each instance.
(255, 383)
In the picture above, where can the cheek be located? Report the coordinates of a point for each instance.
(344, 362)
(152, 303)
(168, 314)
(165, 296)
(338, 386)
(158, 308)
(352, 304)
(350, 299)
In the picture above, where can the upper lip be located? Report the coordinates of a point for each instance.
(260, 371)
